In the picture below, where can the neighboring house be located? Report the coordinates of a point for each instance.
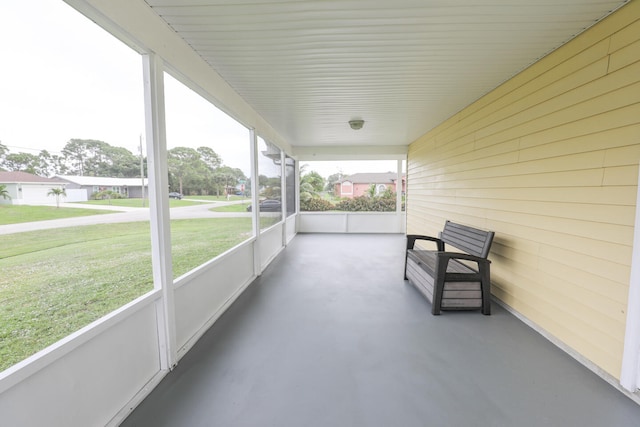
(128, 187)
(28, 189)
(358, 184)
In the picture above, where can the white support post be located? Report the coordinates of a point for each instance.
(255, 212)
(630, 373)
(297, 197)
(399, 197)
(159, 206)
(283, 195)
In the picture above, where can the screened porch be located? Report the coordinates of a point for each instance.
(331, 335)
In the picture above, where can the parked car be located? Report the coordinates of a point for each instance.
(268, 206)
(175, 195)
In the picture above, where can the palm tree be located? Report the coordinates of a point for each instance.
(57, 191)
(106, 194)
(307, 191)
(4, 193)
(371, 192)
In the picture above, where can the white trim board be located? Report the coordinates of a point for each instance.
(630, 372)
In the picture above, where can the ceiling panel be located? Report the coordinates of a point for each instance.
(309, 66)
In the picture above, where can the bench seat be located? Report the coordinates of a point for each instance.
(421, 267)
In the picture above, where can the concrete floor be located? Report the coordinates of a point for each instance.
(330, 335)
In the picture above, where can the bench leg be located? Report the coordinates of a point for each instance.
(406, 256)
(485, 286)
(436, 303)
(438, 285)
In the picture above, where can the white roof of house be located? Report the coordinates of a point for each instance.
(102, 181)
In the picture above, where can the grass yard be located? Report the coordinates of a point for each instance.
(240, 207)
(137, 203)
(218, 198)
(54, 282)
(14, 214)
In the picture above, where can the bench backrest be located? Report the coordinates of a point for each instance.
(468, 239)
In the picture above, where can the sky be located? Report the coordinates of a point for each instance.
(67, 78)
(56, 85)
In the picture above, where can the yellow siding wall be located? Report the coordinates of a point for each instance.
(549, 161)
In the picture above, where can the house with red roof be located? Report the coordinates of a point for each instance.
(359, 184)
(28, 189)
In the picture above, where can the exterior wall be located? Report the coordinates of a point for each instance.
(359, 189)
(31, 193)
(549, 161)
(76, 195)
(12, 189)
(345, 189)
(136, 192)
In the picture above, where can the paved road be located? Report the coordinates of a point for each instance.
(122, 214)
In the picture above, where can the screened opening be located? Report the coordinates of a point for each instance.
(350, 186)
(208, 158)
(269, 183)
(72, 118)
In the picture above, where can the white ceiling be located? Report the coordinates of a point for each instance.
(404, 66)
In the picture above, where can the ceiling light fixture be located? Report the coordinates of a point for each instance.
(356, 124)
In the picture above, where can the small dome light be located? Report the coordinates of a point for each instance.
(356, 124)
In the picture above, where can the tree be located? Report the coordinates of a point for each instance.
(307, 192)
(23, 162)
(209, 157)
(187, 168)
(51, 164)
(226, 177)
(371, 192)
(76, 152)
(332, 181)
(57, 192)
(90, 157)
(316, 181)
(118, 162)
(4, 193)
(3, 151)
(311, 184)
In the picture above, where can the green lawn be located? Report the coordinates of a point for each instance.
(240, 207)
(218, 198)
(14, 214)
(137, 203)
(54, 282)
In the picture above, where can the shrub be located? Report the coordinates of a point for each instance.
(315, 205)
(106, 195)
(368, 204)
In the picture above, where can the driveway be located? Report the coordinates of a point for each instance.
(123, 214)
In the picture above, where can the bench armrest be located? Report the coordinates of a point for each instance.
(411, 241)
(441, 275)
(466, 257)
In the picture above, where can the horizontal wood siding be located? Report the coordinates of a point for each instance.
(549, 161)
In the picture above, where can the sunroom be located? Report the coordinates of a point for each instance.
(518, 117)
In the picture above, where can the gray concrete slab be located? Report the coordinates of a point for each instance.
(331, 335)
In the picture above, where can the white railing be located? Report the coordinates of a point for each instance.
(351, 222)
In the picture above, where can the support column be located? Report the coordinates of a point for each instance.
(399, 213)
(159, 206)
(255, 213)
(630, 373)
(283, 195)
